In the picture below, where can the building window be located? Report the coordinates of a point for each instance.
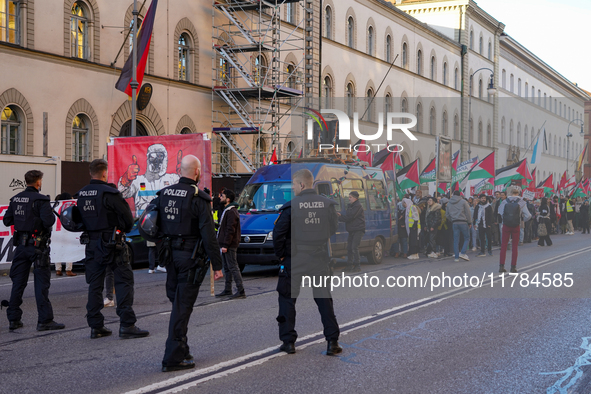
(9, 21)
(472, 39)
(432, 120)
(480, 46)
(350, 98)
(503, 131)
(291, 76)
(291, 150)
(290, 12)
(351, 32)
(389, 49)
(480, 89)
(488, 136)
(489, 50)
(260, 72)
(539, 97)
(327, 87)
(480, 135)
(526, 90)
(519, 87)
(471, 132)
(419, 62)
(433, 68)
(512, 82)
(525, 137)
(388, 107)
(11, 126)
(456, 79)
(370, 105)
(328, 22)
(545, 102)
(445, 74)
(186, 130)
(261, 150)
(456, 127)
(80, 138)
(504, 80)
(184, 54)
(79, 32)
(370, 41)
(518, 142)
(444, 123)
(419, 115)
(405, 56)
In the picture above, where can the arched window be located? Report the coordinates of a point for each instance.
(327, 87)
(186, 130)
(525, 137)
(291, 150)
(526, 90)
(512, 81)
(444, 123)
(503, 131)
(350, 99)
(480, 134)
(370, 40)
(80, 138)
(511, 139)
(480, 46)
(471, 130)
(351, 32)
(370, 105)
(456, 79)
(78, 31)
(549, 146)
(472, 39)
(388, 103)
(488, 136)
(545, 102)
(518, 141)
(504, 80)
(419, 62)
(140, 130)
(184, 54)
(433, 68)
(260, 70)
(445, 74)
(404, 55)
(489, 50)
(519, 87)
(10, 21)
(12, 131)
(261, 150)
(419, 115)
(432, 122)
(328, 22)
(291, 76)
(404, 108)
(555, 152)
(480, 88)
(389, 49)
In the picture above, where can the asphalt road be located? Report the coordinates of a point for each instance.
(479, 336)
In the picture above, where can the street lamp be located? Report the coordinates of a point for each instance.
(491, 91)
(569, 135)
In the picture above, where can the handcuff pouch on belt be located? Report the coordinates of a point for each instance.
(200, 267)
(41, 243)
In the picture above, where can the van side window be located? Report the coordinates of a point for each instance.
(323, 189)
(350, 185)
(336, 193)
(376, 195)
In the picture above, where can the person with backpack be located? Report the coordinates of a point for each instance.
(511, 210)
(458, 211)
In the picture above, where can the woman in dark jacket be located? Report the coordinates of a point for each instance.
(402, 235)
(432, 222)
(584, 216)
(354, 220)
(544, 218)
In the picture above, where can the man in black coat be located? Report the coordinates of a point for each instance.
(229, 239)
(483, 218)
(354, 220)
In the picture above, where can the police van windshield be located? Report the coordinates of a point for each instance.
(264, 197)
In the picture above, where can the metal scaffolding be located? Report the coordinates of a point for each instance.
(259, 90)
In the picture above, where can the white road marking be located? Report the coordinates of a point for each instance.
(441, 297)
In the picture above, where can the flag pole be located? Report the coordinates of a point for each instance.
(134, 84)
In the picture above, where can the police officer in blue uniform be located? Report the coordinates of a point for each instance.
(107, 217)
(301, 240)
(30, 213)
(186, 221)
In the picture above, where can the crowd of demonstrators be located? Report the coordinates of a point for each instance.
(442, 226)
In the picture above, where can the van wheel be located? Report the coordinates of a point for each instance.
(377, 252)
(241, 266)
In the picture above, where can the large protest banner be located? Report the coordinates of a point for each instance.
(141, 166)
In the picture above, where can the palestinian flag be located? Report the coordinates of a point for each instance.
(562, 182)
(408, 177)
(547, 185)
(485, 169)
(516, 171)
(454, 163)
(578, 191)
(361, 152)
(532, 184)
(442, 188)
(428, 174)
(587, 186)
(571, 182)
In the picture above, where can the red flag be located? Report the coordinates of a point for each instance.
(301, 153)
(388, 164)
(362, 154)
(264, 161)
(562, 182)
(273, 157)
(144, 37)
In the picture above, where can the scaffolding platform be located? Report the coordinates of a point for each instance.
(253, 5)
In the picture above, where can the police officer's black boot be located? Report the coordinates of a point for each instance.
(333, 348)
(185, 364)
(50, 326)
(132, 332)
(288, 347)
(224, 293)
(100, 332)
(15, 325)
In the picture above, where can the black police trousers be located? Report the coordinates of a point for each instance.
(24, 256)
(96, 264)
(183, 297)
(287, 299)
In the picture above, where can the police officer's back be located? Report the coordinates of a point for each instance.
(106, 217)
(301, 240)
(30, 213)
(186, 221)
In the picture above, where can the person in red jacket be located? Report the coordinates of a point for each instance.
(229, 239)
